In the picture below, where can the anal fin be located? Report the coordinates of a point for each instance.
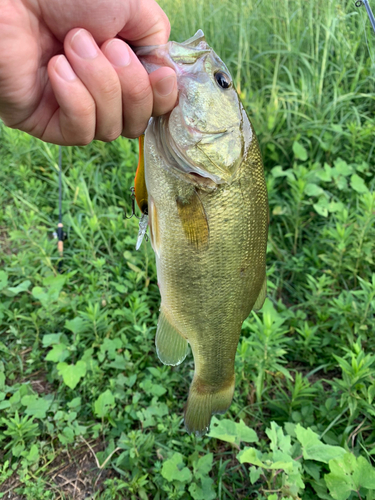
(261, 297)
(171, 346)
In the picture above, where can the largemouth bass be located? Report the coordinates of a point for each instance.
(208, 217)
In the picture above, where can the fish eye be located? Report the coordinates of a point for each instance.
(223, 80)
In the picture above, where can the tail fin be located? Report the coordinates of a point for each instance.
(202, 403)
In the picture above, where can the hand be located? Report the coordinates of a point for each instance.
(65, 77)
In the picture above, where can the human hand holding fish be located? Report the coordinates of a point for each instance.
(201, 181)
(67, 76)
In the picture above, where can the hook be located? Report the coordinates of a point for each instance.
(133, 214)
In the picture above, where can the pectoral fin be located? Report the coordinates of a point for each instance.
(261, 297)
(171, 347)
(194, 220)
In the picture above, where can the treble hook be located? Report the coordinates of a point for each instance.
(143, 220)
(133, 214)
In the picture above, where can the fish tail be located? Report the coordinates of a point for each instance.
(203, 402)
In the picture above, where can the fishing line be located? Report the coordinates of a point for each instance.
(60, 231)
(359, 3)
(61, 235)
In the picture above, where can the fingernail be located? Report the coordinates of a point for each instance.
(165, 86)
(84, 45)
(117, 53)
(63, 68)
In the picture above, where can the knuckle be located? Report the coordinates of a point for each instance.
(141, 93)
(111, 91)
(79, 130)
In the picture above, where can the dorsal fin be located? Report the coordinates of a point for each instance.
(140, 189)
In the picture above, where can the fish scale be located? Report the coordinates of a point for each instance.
(208, 224)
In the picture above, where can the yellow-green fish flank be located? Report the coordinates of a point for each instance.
(208, 210)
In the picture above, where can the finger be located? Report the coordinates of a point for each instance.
(73, 120)
(137, 94)
(101, 80)
(164, 86)
(146, 24)
(139, 21)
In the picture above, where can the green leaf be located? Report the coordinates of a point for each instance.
(325, 174)
(72, 374)
(340, 481)
(341, 168)
(299, 151)
(58, 353)
(36, 406)
(104, 403)
(204, 492)
(312, 469)
(158, 390)
(74, 403)
(66, 436)
(22, 287)
(77, 325)
(174, 469)
(314, 449)
(3, 279)
(358, 184)
(321, 207)
(32, 456)
(255, 473)
(55, 283)
(364, 475)
(279, 172)
(203, 465)
(312, 189)
(51, 339)
(278, 439)
(251, 456)
(40, 294)
(231, 432)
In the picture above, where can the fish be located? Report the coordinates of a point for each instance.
(202, 183)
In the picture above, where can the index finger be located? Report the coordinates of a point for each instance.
(141, 22)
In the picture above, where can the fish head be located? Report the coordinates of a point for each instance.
(204, 131)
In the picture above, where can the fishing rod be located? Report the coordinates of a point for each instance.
(370, 14)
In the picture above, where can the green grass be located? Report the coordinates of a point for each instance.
(85, 405)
